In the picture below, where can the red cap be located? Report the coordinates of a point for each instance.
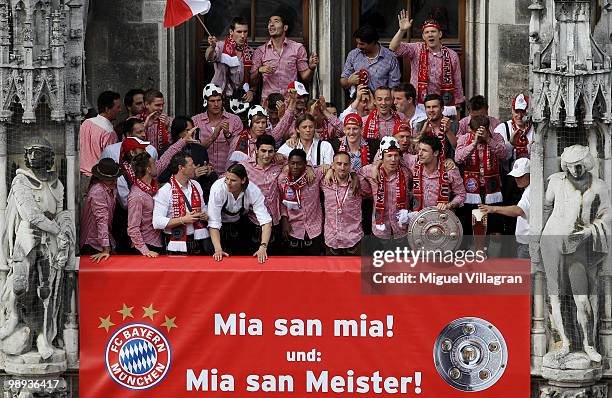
(130, 143)
(353, 119)
(401, 127)
(431, 23)
(297, 86)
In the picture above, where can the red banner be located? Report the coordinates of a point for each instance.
(299, 327)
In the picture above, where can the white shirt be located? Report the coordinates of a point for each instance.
(501, 130)
(162, 211)
(419, 116)
(327, 152)
(219, 196)
(113, 151)
(522, 223)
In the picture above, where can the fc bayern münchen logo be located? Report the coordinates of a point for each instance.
(138, 356)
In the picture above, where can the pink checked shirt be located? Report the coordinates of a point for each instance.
(308, 219)
(464, 125)
(464, 149)
(281, 128)
(288, 63)
(95, 134)
(219, 151)
(412, 51)
(343, 230)
(394, 229)
(266, 180)
(431, 184)
(140, 220)
(225, 76)
(98, 217)
(332, 128)
(385, 123)
(153, 135)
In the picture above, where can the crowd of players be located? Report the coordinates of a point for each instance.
(265, 169)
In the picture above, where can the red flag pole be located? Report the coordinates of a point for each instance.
(204, 26)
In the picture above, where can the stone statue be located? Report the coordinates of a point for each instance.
(37, 241)
(574, 243)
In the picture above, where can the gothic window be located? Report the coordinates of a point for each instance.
(382, 14)
(257, 12)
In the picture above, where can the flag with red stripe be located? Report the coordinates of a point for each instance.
(179, 11)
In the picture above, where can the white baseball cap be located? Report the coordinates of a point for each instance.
(520, 168)
(520, 102)
(299, 87)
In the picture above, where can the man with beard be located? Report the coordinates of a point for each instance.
(134, 105)
(434, 68)
(263, 171)
(381, 64)
(217, 128)
(37, 241)
(301, 212)
(232, 60)
(280, 60)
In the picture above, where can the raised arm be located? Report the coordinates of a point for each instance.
(405, 23)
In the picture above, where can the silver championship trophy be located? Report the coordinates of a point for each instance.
(432, 229)
(470, 354)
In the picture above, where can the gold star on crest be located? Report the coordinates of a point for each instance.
(149, 311)
(105, 323)
(126, 311)
(169, 324)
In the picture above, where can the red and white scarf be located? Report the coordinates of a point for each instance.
(447, 85)
(364, 151)
(231, 48)
(417, 186)
(292, 191)
(179, 209)
(133, 180)
(161, 131)
(381, 197)
(371, 129)
(482, 172)
(521, 146)
(244, 143)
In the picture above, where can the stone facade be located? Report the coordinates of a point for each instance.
(496, 51)
(41, 78)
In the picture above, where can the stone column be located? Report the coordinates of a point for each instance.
(536, 224)
(3, 194)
